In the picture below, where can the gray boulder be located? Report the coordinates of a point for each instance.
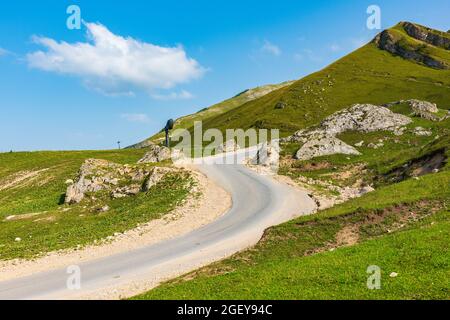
(228, 146)
(424, 109)
(364, 118)
(324, 147)
(155, 154)
(155, 176)
(359, 117)
(268, 155)
(421, 132)
(120, 180)
(94, 175)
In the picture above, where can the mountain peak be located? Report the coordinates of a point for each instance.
(417, 43)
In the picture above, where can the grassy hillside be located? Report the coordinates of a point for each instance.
(368, 75)
(32, 188)
(221, 108)
(402, 227)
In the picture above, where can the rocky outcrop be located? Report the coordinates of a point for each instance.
(323, 147)
(228, 146)
(425, 109)
(389, 42)
(94, 175)
(430, 36)
(156, 154)
(422, 107)
(359, 117)
(117, 180)
(321, 141)
(421, 132)
(268, 155)
(364, 118)
(154, 177)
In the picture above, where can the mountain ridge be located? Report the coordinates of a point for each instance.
(400, 68)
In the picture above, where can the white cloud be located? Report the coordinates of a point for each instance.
(271, 48)
(135, 117)
(182, 95)
(335, 47)
(3, 52)
(298, 57)
(113, 64)
(307, 54)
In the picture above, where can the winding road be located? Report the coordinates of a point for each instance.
(258, 203)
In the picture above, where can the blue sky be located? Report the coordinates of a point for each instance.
(181, 56)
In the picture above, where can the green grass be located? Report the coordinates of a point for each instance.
(368, 75)
(187, 122)
(283, 266)
(396, 152)
(293, 261)
(54, 228)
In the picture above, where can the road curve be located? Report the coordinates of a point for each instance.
(258, 203)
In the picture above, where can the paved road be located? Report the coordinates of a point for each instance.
(258, 202)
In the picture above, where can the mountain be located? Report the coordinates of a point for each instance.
(372, 74)
(407, 61)
(218, 109)
(382, 190)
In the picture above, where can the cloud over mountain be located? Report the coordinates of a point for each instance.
(271, 48)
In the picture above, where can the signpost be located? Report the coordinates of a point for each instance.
(169, 126)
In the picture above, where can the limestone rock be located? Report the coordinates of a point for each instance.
(393, 275)
(421, 132)
(323, 147)
(359, 117)
(427, 35)
(154, 178)
(364, 118)
(389, 42)
(94, 175)
(104, 209)
(228, 146)
(268, 155)
(322, 140)
(156, 154)
(120, 180)
(123, 192)
(424, 109)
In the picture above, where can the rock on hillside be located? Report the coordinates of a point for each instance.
(364, 118)
(228, 146)
(427, 35)
(425, 109)
(360, 117)
(323, 147)
(155, 154)
(268, 155)
(394, 42)
(321, 141)
(120, 180)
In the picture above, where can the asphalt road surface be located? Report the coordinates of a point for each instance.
(258, 203)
